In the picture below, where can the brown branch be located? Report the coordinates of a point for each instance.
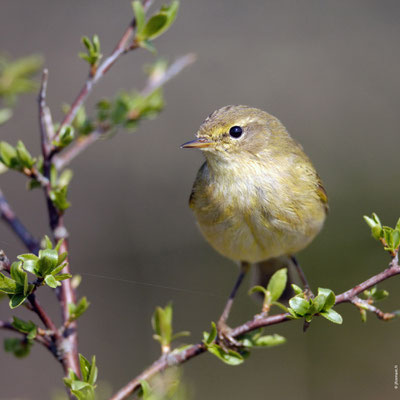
(179, 357)
(122, 47)
(8, 215)
(38, 338)
(81, 144)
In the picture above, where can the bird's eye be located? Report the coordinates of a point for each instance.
(236, 132)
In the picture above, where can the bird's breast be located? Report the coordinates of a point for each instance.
(247, 214)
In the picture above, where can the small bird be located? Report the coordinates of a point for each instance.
(257, 198)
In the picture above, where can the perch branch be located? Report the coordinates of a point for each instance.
(179, 357)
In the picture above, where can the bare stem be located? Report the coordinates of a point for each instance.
(176, 358)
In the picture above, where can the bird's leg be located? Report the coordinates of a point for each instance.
(302, 277)
(223, 328)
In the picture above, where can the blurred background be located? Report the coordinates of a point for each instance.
(330, 71)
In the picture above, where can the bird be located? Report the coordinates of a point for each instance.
(257, 198)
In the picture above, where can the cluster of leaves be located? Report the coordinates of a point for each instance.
(162, 326)
(303, 307)
(17, 157)
(15, 79)
(372, 296)
(127, 109)
(93, 54)
(390, 237)
(20, 347)
(248, 341)
(76, 310)
(46, 267)
(155, 26)
(59, 188)
(83, 388)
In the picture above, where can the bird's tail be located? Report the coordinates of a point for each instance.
(263, 270)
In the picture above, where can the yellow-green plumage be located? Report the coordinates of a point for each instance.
(257, 196)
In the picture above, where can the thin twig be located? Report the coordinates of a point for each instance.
(8, 215)
(38, 338)
(365, 305)
(179, 357)
(81, 144)
(121, 48)
(157, 80)
(154, 82)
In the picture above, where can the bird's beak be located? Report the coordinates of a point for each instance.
(198, 143)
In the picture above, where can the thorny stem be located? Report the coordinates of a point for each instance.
(179, 357)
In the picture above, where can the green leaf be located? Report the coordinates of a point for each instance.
(159, 22)
(8, 155)
(24, 156)
(375, 225)
(51, 281)
(179, 335)
(330, 297)
(16, 300)
(48, 260)
(20, 277)
(395, 239)
(29, 262)
(145, 389)
(332, 316)
(256, 289)
(19, 347)
(65, 177)
(58, 269)
(277, 284)
(67, 135)
(140, 16)
(297, 289)
(231, 357)
(62, 277)
(162, 324)
(7, 285)
(59, 198)
(299, 305)
(76, 310)
(25, 327)
(254, 339)
(209, 338)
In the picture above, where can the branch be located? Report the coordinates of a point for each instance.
(45, 120)
(8, 215)
(122, 47)
(39, 338)
(154, 82)
(179, 357)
